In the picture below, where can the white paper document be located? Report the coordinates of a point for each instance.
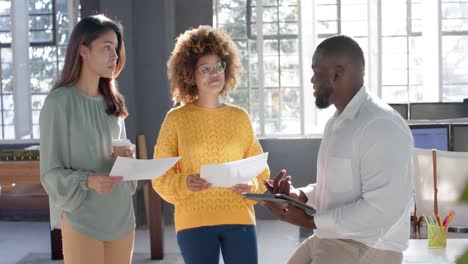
(235, 172)
(137, 169)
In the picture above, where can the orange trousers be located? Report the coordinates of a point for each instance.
(80, 249)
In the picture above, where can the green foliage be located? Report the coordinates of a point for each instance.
(464, 197)
(464, 259)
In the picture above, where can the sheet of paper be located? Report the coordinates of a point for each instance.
(137, 169)
(235, 172)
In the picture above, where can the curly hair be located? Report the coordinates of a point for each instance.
(190, 46)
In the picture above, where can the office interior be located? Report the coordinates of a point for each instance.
(151, 27)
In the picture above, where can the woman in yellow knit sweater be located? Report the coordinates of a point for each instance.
(205, 66)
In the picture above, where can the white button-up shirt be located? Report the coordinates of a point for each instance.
(364, 188)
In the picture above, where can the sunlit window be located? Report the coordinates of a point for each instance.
(281, 67)
(415, 51)
(48, 36)
(402, 76)
(454, 50)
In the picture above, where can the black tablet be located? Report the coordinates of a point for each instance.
(279, 199)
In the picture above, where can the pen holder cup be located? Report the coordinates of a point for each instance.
(436, 236)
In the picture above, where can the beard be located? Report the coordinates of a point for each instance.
(322, 95)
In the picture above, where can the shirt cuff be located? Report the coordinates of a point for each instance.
(309, 193)
(82, 177)
(324, 221)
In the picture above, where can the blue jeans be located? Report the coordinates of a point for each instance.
(201, 245)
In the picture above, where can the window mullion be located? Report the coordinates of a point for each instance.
(338, 16)
(301, 65)
(72, 9)
(307, 43)
(280, 88)
(431, 52)
(375, 47)
(21, 73)
(439, 52)
(2, 120)
(261, 92)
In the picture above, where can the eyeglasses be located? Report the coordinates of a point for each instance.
(206, 69)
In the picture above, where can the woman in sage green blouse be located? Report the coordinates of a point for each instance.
(78, 121)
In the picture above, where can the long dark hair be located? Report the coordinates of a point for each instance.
(84, 33)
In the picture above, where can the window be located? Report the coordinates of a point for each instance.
(48, 35)
(274, 102)
(415, 51)
(333, 17)
(454, 50)
(342, 17)
(402, 74)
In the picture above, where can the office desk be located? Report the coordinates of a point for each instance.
(26, 172)
(418, 252)
(20, 172)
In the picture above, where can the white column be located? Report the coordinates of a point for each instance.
(261, 94)
(21, 72)
(307, 44)
(374, 64)
(431, 51)
(72, 9)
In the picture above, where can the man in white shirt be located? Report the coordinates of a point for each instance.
(364, 189)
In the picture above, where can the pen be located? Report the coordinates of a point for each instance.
(427, 220)
(436, 219)
(446, 220)
(449, 218)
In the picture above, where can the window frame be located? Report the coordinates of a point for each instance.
(250, 36)
(375, 39)
(73, 7)
(51, 42)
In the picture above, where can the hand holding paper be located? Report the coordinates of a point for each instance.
(196, 184)
(134, 169)
(235, 172)
(242, 188)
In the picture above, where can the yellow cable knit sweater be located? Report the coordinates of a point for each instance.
(204, 136)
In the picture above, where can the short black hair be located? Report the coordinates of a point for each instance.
(341, 45)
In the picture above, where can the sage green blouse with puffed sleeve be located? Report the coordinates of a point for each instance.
(76, 140)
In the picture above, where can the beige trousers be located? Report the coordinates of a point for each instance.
(81, 249)
(334, 251)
